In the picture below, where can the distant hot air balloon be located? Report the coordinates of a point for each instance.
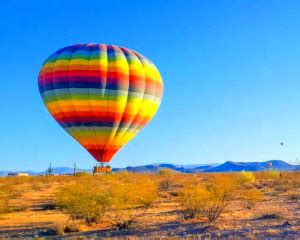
(270, 164)
(102, 95)
(281, 143)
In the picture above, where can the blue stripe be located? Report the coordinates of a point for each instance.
(72, 48)
(111, 86)
(117, 124)
(85, 84)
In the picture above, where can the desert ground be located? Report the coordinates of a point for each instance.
(245, 205)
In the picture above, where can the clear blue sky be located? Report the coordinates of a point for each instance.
(230, 68)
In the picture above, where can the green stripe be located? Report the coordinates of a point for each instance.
(56, 95)
(115, 58)
(99, 130)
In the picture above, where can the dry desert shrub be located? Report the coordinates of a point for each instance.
(245, 178)
(209, 200)
(82, 174)
(293, 197)
(279, 182)
(282, 185)
(84, 202)
(129, 201)
(296, 179)
(192, 199)
(61, 229)
(116, 195)
(8, 192)
(18, 185)
(268, 179)
(58, 229)
(12, 187)
(4, 204)
(166, 172)
(123, 219)
(250, 197)
(133, 195)
(167, 182)
(272, 174)
(71, 227)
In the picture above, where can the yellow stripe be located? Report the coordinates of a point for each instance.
(102, 139)
(117, 106)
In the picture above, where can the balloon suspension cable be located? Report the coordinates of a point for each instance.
(101, 168)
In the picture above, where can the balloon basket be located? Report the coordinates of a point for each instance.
(101, 169)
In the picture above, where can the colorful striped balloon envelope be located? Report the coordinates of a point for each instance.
(102, 95)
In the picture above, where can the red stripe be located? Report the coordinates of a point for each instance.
(135, 79)
(84, 73)
(98, 75)
(103, 154)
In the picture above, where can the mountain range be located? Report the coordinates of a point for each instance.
(228, 166)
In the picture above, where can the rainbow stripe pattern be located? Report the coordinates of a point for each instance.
(102, 95)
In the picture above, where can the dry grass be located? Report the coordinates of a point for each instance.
(250, 197)
(268, 202)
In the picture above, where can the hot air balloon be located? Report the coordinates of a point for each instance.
(102, 95)
(270, 164)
